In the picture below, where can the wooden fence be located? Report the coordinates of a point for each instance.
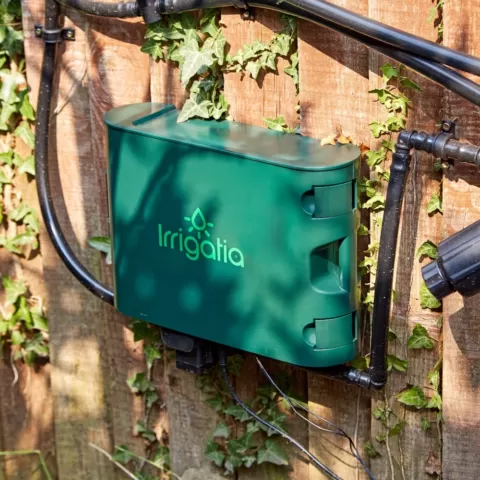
(82, 396)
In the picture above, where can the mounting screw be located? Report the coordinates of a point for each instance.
(68, 34)
(248, 15)
(38, 31)
(448, 126)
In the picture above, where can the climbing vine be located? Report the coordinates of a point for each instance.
(392, 96)
(237, 440)
(198, 48)
(23, 328)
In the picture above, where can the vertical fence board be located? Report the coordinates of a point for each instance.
(334, 92)
(461, 202)
(113, 52)
(190, 420)
(406, 455)
(271, 95)
(26, 416)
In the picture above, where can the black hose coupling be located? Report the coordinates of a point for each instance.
(149, 10)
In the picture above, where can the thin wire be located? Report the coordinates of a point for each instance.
(267, 424)
(336, 430)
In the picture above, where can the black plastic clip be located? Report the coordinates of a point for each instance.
(247, 12)
(54, 36)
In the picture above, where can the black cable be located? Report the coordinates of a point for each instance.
(323, 468)
(336, 430)
(42, 124)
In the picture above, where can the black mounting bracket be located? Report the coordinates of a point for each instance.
(54, 36)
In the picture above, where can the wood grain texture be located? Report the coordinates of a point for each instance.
(26, 413)
(334, 91)
(113, 53)
(190, 421)
(272, 94)
(461, 201)
(409, 452)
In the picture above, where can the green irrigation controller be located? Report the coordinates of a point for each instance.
(229, 234)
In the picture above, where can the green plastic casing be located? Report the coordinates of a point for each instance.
(235, 234)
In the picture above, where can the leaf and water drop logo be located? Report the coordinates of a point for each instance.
(194, 247)
(199, 223)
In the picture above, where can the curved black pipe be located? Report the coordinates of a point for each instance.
(102, 9)
(42, 171)
(386, 262)
(440, 74)
(393, 36)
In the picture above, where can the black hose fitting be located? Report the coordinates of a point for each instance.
(150, 10)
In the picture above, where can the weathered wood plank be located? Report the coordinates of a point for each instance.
(334, 91)
(190, 420)
(80, 381)
(250, 100)
(272, 94)
(26, 416)
(406, 455)
(461, 202)
(113, 52)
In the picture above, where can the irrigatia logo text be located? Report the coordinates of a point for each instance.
(193, 245)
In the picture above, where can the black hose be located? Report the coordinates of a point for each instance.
(102, 9)
(386, 262)
(384, 33)
(440, 74)
(42, 171)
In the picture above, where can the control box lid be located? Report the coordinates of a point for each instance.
(277, 148)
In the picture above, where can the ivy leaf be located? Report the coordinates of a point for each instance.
(407, 83)
(10, 82)
(253, 68)
(122, 454)
(413, 397)
(427, 300)
(151, 396)
(102, 244)
(151, 354)
(26, 108)
(24, 132)
(6, 157)
(237, 412)
(27, 165)
(17, 337)
(377, 202)
(281, 44)
(6, 112)
(231, 463)
(279, 124)
(139, 383)
(35, 347)
(215, 402)
(434, 378)
(435, 401)
(272, 453)
(219, 108)
(195, 60)
(359, 363)
(370, 450)
(363, 230)
(396, 429)
(13, 289)
(375, 157)
(213, 453)
(381, 413)
(429, 249)
(208, 22)
(396, 363)
(154, 49)
(434, 204)
(161, 457)
(420, 338)
(389, 72)
(140, 430)
(377, 129)
(193, 109)
(22, 313)
(221, 431)
(249, 460)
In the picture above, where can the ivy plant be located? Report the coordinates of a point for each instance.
(238, 440)
(199, 48)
